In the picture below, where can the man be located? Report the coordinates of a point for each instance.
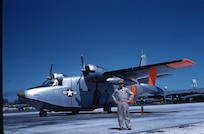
(122, 97)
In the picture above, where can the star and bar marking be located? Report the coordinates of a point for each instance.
(69, 92)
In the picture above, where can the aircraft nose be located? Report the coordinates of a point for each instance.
(21, 94)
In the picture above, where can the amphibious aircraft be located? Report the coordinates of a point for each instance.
(193, 97)
(93, 89)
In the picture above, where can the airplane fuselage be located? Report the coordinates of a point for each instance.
(77, 94)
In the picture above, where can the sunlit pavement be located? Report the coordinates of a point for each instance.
(156, 119)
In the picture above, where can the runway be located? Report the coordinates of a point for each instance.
(154, 118)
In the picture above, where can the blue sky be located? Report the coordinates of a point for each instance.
(110, 34)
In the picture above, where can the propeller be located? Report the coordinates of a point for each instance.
(51, 74)
(83, 64)
(85, 69)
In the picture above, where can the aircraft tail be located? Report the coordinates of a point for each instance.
(152, 72)
(143, 60)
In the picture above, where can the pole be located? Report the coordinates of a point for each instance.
(142, 110)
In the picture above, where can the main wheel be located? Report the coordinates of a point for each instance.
(42, 113)
(75, 111)
(107, 109)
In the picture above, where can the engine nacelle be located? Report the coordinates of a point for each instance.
(94, 73)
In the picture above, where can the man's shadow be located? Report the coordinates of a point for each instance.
(117, 128)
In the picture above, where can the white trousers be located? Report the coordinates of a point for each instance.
(123, 115)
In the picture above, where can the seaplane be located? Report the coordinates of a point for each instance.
(94, 87)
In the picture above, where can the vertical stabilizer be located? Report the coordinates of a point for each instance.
(152, 72)
(143, 60)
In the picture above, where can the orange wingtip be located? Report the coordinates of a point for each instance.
(182, 63)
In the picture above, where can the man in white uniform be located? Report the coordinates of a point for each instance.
(122, 97)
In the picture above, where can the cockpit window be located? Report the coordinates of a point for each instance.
(52, 82)
(55, 82)
(46, 82)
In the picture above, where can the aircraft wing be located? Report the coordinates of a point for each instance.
(141, 71)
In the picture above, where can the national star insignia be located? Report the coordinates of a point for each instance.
(69, 92)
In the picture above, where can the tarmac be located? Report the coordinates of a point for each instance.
(156, 119)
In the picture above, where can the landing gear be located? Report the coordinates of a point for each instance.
(75, 111)
(107, 109)
(42, 113)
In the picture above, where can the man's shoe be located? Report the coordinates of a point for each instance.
(129, 128)
(121, 128)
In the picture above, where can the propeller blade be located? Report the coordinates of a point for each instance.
(83, 64)
(51, 75)
(82, 61)
(85, 68)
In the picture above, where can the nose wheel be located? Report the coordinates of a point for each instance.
(42, 113)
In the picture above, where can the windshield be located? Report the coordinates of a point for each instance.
(52, 82)
(48, 83)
